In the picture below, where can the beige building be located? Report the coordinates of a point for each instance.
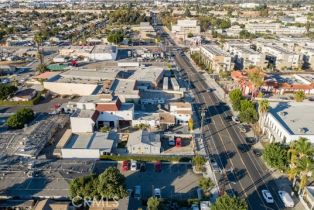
(216, 58)
(184, 27)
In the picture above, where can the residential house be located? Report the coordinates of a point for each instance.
(144, 142)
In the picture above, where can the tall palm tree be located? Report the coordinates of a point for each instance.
(305, 165)
(304, 147)
(256, 77)
(39, 39)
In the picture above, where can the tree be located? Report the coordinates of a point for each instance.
(305, 165)
(38, 39)
(198, 161)
(6, 91)
(246, 104)
(153, 203)
(235, 97)
(187, 12)
(115, 37)
(21, 117)
(249, 115)
(256, 77)
(299, 96)
(111, 184)
(190, 35)
(263, 106)
(206, 184)
(275, 155)
(41, 68)
(227, 202)
(83, 187)
(191, 124)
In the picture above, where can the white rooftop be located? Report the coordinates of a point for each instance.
(297, 118)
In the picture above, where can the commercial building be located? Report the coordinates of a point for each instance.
(216, 58)
(144, 142)
(126, 90)
(148, 77)
(84, 120)
(184, 27)
(307, 58)
(87, 145)
(288, 121)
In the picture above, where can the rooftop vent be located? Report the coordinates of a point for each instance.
(283, 114)
(303, 130)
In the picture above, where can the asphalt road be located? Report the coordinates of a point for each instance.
(245, 173)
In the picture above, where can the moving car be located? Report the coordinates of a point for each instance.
(267, 196)
(286, 198)
(137, 192)
(158, 166)
(133, 165)
(215, 165)
(125, 165)
(243, 147)
(235, 119)
(250, 140)
(157, 193)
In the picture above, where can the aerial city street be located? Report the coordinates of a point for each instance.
(157, 104)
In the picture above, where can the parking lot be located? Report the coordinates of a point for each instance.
(176, 181)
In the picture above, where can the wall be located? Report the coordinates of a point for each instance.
(80, 153)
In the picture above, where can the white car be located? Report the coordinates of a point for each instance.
(286, 198)
(235, 119)
(157, 193)
(133, 165)
(267, 196)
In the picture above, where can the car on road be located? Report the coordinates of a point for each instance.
(215, 165)
(133, 165)
(195, 207)
(243, 147)
(235, 119)
(228, 118)
(257, 152)
(125, 165)
(171, 141)
(138, 192)
(242, 128)
(286, 199)
(157, 193)
(250, 140)
(267, 196)
(158, 166)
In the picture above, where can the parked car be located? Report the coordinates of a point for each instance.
(267, 196)
(142, 167)
(138, 192)
(215, 165)
(250, 140)
(228, 118)
(125, 165)
(257, 152)
(157, 193)
(158, 166)
(133, 165)
(286, 199)
(235, 119)
(171, 141)
(243, 147)
(195, 207)
(242, 128)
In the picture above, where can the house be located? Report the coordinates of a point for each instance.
(288, 121)
(214, 57)
(182, 111)
(87, 145)
(24, 95)
(144, 142)
(307, 197)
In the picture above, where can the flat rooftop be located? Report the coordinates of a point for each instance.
(215, 50)
(83, 113)
(291, 79)
(280, 49)
(124, 86)
(247, 50)
(97, 140)
(93, 74)
(297, 118)
(151, 73)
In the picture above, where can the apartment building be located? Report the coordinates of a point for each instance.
(182, 111)
(184, 27)
(216, 58)
(244, 57)
(280, 57)
(262, 27)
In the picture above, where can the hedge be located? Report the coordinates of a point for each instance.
(148, 158)
(32, 102)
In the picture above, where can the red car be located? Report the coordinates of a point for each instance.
(158, 166)
(178, 142)
(125, 165)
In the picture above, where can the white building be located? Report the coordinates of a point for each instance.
(286, 122)
(182, 111)
(84, 120)
(184, 27)
(144, 142)
(148, 77)
(87, 145)
(307, 57)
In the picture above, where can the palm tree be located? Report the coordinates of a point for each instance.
(303, 147)
(256, 77)
(38, 39)
(305, 165)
